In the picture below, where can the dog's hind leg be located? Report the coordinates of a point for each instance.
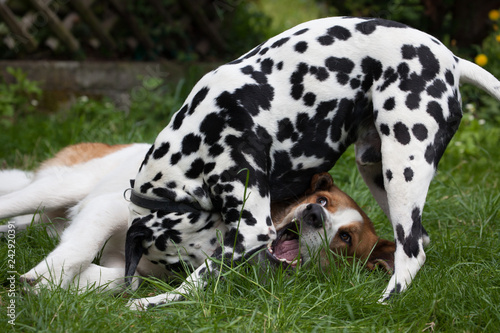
(13, 180)
(410, 154)
(102, 278)
(51, 189)
(369, 163)
(94, 222)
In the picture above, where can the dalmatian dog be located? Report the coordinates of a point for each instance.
(80, 191)
(258, 128)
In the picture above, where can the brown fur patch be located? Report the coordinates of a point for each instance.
(80, 153)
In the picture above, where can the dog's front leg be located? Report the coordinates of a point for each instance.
(94, 222)
(196, 280)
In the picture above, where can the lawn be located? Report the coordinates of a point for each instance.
(458, 289)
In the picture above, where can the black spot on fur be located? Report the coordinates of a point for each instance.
(384, 129)
(161, 151)
(320, 73)
(235, 238)
(355, 83)
(339, 32)
(413, 101)
(263, 238)
(266, 66)
(450, 79)
(175, 158)
(248, 218)
(301, 47)
(297, 80)
(388, 175)
(411, 242)
(408, 173)
(401, 133)
(372, 69)
(430, 154)
(285, 129)
(280, 42)
(196, 169)
(215, 150)
(300, 32)
(437, 89)
(309, 99)
(408, 52)
(429, 63)
(197, 99)
(326, 40)
(369, 26)
(419, 131)
(145, 187)
(389, 104)
(342, 66)
(446, 128)
(209, 167)
(390, 76)
(263, 51)
(179, 117)
(253, 52)
(212, 126)
(190, 144)
(164, 193)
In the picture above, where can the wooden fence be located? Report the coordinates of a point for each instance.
(110, 28)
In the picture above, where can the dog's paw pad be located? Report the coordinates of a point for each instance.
(31, 281)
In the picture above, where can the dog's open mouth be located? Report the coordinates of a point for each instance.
(286, 248)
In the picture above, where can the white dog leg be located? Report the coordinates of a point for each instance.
(96, 221)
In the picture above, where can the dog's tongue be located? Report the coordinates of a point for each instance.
(288, 249)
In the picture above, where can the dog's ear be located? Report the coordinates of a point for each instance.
(321, 182)
(134, 250)
(382, 256)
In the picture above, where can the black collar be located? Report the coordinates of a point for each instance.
(163, 204)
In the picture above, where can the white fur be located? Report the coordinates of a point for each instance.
(91, 194)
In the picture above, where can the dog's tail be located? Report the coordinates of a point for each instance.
(13, 180)
(481, 78)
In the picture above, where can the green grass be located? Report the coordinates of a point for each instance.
(457, 290)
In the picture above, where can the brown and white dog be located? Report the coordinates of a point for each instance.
(326, 219)
(85, 184)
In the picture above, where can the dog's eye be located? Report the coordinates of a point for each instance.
(345, 237)
(322, 201)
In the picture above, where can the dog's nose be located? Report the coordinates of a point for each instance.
(313, 215)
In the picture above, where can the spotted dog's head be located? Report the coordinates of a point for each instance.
(326, 215)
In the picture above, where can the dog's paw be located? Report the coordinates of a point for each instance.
(33, 284)
(43, 277)
(142, 304)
